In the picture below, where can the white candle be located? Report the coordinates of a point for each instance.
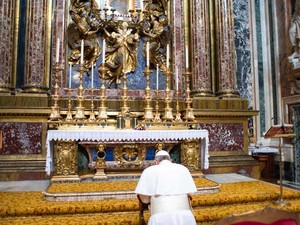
(130, 5)
(168, 53)
(186, 57)
(103, 51)
(70, 76)
(57, 50)
(81, 52)
(147, 52)
(176, 77)
(92, 78)
(142, 5)
(124, 60)
(157, 71)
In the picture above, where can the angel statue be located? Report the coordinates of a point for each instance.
(84, 26)
(158, 33)
(121, 52)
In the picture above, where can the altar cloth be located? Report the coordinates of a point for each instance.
(133, 136)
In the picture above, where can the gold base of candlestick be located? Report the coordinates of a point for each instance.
(79, 113)
(157, 117)
(189, 114)
(178, 117)
(148, 115)
(124, 110)
(168, 116)
(102, 113)
(92, 117)
(55, 113)
(69, 117)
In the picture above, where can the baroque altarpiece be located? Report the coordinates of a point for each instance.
(124, 65)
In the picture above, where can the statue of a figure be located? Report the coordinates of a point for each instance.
(158, 33)
(294, 31)
(159, 6)
(84, 26)
(121, 52)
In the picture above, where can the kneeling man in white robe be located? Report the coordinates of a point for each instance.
(166, 187)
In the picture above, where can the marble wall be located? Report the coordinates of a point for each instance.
(21, 138)
(296, 117)
(242, 45)
(224, 136)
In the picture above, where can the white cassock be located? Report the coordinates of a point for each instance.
(168, 184)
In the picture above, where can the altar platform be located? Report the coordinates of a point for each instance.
(238, 194)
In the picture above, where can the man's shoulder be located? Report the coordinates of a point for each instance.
(150, 169)
(180, 166)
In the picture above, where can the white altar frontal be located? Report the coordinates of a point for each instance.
(129, 150)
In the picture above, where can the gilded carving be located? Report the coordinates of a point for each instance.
(121, 36)
(190, 154)
(122, 48)
(65, 155)
(130, 154)
(83, 26)
(100, 163)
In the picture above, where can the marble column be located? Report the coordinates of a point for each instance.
(296, 115)
(225, 49)
(201, 76)
(9, 11)
(37, 55)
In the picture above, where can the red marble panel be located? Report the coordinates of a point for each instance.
(21, 138)
(224, 136)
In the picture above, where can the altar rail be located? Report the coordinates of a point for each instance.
(62, 148)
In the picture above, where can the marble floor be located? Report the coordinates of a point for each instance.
(41, 185)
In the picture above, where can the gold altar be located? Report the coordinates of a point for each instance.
(129, 153)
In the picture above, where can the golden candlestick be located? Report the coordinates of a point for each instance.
(168, 116)
(79, 115)
(92, 117)
(124, 108)
(102, 109)
(55, 109)
(148, 114)
(178, 114)
(69, 117)
(189, 115)
(157, 113)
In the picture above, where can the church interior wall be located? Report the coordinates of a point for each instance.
(28, 80)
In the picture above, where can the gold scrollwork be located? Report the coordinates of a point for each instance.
(130, 154)
(100, 163)
(101, 154)
(190, 154)
(65, 157)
